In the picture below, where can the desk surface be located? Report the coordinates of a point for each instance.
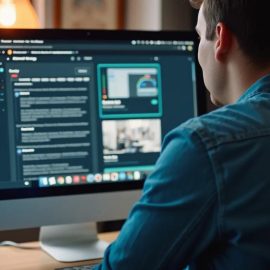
(36, 259)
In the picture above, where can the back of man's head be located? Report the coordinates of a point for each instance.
(247, 19)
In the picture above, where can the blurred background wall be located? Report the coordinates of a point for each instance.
(101, 14)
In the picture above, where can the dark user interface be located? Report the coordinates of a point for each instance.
(76, 112)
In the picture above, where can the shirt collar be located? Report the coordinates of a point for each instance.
(257, 87)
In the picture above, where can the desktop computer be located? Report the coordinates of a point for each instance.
(82, 116)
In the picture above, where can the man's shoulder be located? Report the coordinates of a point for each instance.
(229, 124)
(218, 122)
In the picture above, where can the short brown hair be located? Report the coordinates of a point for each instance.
(247, 19)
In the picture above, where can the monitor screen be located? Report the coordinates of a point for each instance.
(83, 115)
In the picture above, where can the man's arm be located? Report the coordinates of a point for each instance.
(176, 217)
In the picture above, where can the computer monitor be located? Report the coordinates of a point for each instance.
(82, 116)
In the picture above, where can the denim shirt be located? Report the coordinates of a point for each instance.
(207, 203)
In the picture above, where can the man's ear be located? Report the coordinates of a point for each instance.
(223, 42)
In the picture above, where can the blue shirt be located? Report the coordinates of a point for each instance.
(207, 203)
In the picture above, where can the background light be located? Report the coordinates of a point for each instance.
(18, 14)
(7, 13)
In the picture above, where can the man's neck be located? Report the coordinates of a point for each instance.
(242, 75)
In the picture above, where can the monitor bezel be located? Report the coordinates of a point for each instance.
(98, 35)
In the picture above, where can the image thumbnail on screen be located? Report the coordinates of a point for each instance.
(131, 136)
(130, 90)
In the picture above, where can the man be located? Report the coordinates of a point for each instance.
(207, 203)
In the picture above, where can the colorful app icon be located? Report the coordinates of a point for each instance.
(106, 177)
(68, 180)
(98, 177)
(90, 178)
(83, 178)
(114, 177)
(52, 181)
(61, 180)
(76, 179)
(137, 175)
(43, 181)
(122, 176)
(130, 176)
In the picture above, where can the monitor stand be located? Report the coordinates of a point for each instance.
(73, 242)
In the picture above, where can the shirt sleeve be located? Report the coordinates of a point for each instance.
(175, 220)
